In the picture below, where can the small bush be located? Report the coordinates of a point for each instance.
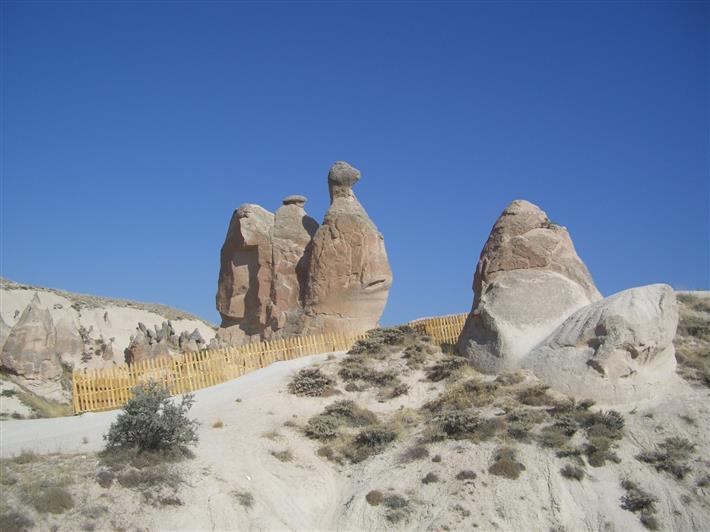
(374, 498)
(311, 382)
(394, 501)
(105, 478)
(553, 436)
(598, 451)
(54, 500)
(149, 478)
(379, 340)
(8, 392)
(446, 368)
(430, 478)
(352, 414)
(505, 464)
(604, 425)
(356, 369)
(436, 458)
(375, 437)
(672, 457)
(572, 472)
(510, 379)
(466, 474)
(536, 396)
(218, 424)
(244, 498)
(322, 427)
(151, 421)
(12, 520)
(283, 456)
(25, 457)
(418, 452)
(638, 501)
(458, 423)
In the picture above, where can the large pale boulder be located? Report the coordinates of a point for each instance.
(614, 350)
(245, 274)
(30, 350)
(292, 233)
(527, 281)
(349, 276)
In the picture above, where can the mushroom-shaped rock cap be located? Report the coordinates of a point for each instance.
(295, 199)
(341, 173)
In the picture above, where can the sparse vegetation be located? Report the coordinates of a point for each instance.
(13, 520)
(430, 477)
(374, 498)
(572, 472)
(350, 413)
(283, 456)
(640, 502)
(244, 498)
(151, 421)
(311, 382)
(52, 499)
(445, 368)
(218, 424)
(505, 464)
(536, 396)
(672, 456)
(322, 427)
(418, 452)
(466, 474)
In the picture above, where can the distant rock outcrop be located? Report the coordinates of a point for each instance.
(349, 276)
(528, 280)
(282, 275)
(161, 342)
(614, 350)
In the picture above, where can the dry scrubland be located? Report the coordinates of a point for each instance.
(397, 434)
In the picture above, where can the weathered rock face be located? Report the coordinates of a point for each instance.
(30, 350)
(349, 276)
(614, 350)
(281, 275)
(245, 274)
(161, 342)
(292, 233)
(528, 280)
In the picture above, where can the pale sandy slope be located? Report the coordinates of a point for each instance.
(311, 493)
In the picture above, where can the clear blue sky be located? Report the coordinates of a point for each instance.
(131, 130)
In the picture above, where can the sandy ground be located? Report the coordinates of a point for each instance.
(310, 492)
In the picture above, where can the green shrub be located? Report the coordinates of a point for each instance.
(322, 427)
(12, 520)
(430, 478)
(458, 424)
(446, 368)
(672, 457)
(394, 501)
(639, 501)
(151, 421)
(598, 451)
(572, 472)
(505, 464)
(356, 369)
(536, 396)
(54, 500)
(374, 498)
(418, 452)
(466, 474)
(311, 382)
(375, 437)
(553, 436)
(380, 340)
(352, 414)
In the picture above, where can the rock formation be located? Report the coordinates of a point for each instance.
(30, 350)
(614, 350)
(349, 276)
(161, 342)
(282, 275)
(292, 233)
(245, 274)
(527, 281)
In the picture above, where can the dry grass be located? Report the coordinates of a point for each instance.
(572, 472)
(311, 382)
(505, 464)
(640, 502)
(244, 498)
(283, 456)
(672, 456)
(218, 424)
(430, 478)
(418, 452)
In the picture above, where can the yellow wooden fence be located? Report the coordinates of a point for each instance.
(108, 388)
